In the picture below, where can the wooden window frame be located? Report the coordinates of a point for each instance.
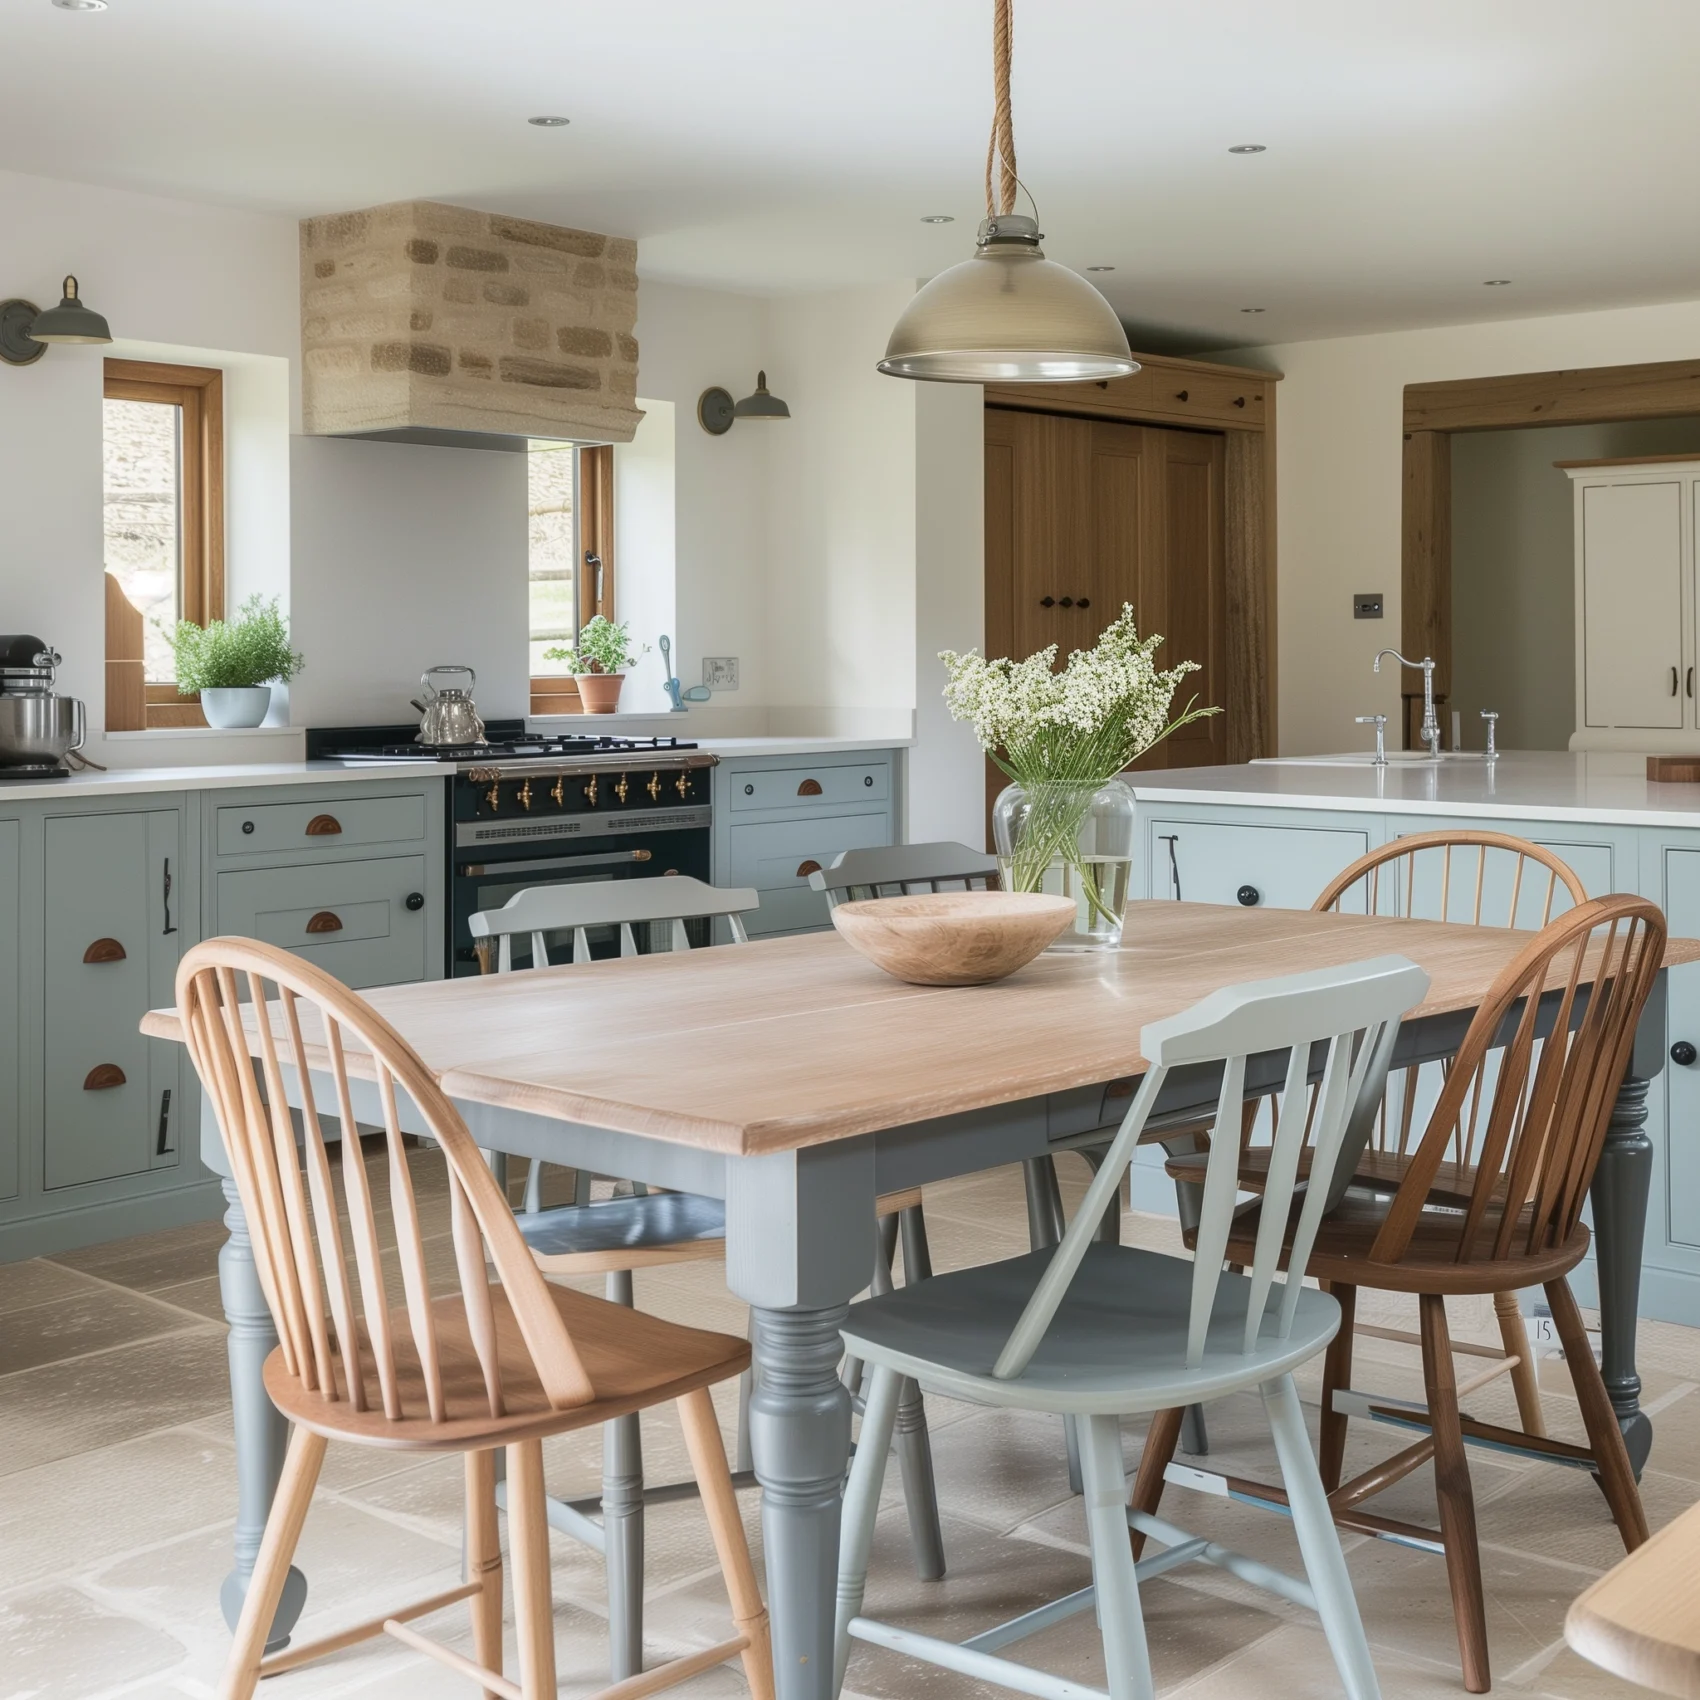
(198, 391)
(593, 588)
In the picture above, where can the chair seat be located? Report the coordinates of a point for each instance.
(634, 1360)
(626, 1233)
(1116, 1347)
(1430, 1264)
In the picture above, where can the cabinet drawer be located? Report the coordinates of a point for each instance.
(351, 918)
(811, 787)
(781, 854)
(270, 827)
(1286, 866)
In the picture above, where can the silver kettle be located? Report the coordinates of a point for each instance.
(448, 716)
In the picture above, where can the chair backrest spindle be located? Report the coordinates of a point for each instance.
(295, 1020)
(1351, 1012)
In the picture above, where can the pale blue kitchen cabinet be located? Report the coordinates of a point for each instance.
(777, 818)
(100, 1128)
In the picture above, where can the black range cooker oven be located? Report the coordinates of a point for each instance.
(527, 812)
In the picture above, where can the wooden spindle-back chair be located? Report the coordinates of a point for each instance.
(1541, 1062)
(485, 1366)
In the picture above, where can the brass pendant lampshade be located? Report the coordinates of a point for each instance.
(1008, 315)
(70, 321)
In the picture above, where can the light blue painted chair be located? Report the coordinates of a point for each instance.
(1098, 1332)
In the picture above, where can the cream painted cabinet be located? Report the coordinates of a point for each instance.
(1635, 602)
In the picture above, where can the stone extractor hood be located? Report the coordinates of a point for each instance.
(422, 322)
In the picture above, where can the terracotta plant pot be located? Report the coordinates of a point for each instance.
(599, 692)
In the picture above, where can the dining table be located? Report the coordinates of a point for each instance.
(798, 1082)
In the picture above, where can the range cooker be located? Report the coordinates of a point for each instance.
(527, 811)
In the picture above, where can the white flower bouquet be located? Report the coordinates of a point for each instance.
(1061, 735)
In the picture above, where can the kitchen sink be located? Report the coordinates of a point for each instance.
(1366, 758)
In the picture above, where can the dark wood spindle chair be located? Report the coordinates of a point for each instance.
(1509, 1221)
(503, 1365)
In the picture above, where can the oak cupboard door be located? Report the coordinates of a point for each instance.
(113, 930)
(10, 1106)
(1632, 570)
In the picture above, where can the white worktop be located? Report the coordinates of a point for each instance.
(136, 781)
(1609, 789)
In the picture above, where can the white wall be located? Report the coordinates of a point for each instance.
(1339, 477)
(405, 556)
(841, 532)
(946, 767)
(646, 540)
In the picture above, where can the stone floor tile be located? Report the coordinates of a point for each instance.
(58, 1644)
(62, 1409)
(36, 1281)
(1568, 1676)
(93, 1319)
(70, 1515)
(1293, 1662)
(152, 1260)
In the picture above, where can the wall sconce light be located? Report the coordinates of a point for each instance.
(716, 409)
(26, 331)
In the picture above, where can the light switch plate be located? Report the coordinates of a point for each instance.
(720, 672)
(1366, 605)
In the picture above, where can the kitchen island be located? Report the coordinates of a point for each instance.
(1273, 833)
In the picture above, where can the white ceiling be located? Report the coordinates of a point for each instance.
(767, 145)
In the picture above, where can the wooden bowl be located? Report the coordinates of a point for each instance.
(953, 938)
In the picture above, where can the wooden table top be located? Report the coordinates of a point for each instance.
(1641, 1620)
(789, 1042)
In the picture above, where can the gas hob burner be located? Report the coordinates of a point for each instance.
(510, 749)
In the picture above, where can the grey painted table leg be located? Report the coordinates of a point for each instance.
(622, 1523)
(1619, 1197)
(800, 1434)
(261, 1432)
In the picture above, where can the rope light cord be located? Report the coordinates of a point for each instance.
(1000, 148)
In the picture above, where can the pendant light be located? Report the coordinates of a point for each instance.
(1008, 315)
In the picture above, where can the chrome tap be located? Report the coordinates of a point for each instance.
(1430, 733)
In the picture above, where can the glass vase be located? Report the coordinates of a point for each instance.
(1074, 840)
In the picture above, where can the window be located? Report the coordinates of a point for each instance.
(163, 432)
(570, 490)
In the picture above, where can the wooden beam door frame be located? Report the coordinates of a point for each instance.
(1239, 405)
(1584, 395)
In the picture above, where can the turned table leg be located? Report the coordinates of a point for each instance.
(261, 1433)
(800, 1434)
(1619, 1198)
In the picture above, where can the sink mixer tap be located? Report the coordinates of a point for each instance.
(1430, 733)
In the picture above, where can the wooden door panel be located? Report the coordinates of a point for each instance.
(1194, 627)
(1121, 517)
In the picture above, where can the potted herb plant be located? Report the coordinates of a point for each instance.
(599, 663)
(234, 665)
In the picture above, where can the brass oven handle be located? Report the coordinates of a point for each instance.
(325, 922)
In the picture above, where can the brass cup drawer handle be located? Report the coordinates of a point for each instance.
(102, 1077)
(104, 950)
(804, 869)
(809, 788)
(325, 922)
(324, 826)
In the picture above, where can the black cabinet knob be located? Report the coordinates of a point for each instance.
(247, 826)
(1047, 602)
(1084, 602)
(749, 790)
(1068, 602)
(1683, 1054)
(416, 900)
(867, 779)
(1249, 895)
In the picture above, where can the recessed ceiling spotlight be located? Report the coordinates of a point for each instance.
(1248, 147)
(1495, 282)
(80, 5)
(546, 122)
(1251, 309)
(938, 218)
(1100, 268)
